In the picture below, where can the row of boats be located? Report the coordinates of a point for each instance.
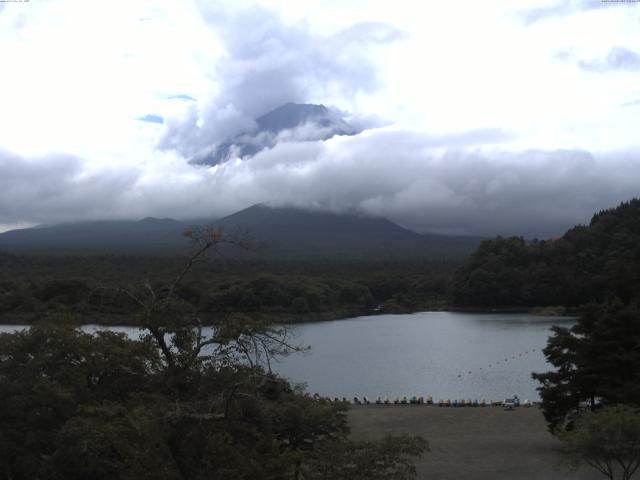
(507, 403)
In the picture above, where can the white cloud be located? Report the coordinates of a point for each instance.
(403, 175)
(77, 74)
(267, 64)
(618, 59)
(491, 129)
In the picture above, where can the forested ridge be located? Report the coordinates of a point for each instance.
(85, 289)
(589, 263)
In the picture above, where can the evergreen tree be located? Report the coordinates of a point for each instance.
(597, 361)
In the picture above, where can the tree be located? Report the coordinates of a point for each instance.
(587, 264)
(607, 440)
(597, 361)
(50, 375)
(183, 402)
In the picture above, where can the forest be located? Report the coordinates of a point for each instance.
(176, 403)
(589, 263)
(85, 289)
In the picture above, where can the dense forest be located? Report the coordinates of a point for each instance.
(587, 264)
(177, 403)
(88, 289)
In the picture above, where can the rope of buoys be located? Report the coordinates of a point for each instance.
(498, 362)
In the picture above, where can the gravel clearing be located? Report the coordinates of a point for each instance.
(471, 443)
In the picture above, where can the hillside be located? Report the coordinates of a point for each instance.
(148, 236)
(292, 232)
(281, 232)
(587, 264)
(316, 122)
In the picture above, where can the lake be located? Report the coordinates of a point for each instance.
(443, 354)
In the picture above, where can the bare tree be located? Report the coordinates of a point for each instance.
(172, 325)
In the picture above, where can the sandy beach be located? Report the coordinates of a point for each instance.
(472, 443)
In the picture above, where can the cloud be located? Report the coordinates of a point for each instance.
(210, 72)
(151, 118)
(618, 59)
(181, 96)
(268, 63)
(632, 103)
(404, 176)
(290, 122)
(58, 188)
(444, 184)
(564, 8)
(562, 56)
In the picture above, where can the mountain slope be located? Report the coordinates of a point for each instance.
(150, 235)
(304, 122)
(292, 115)
(282, 233)
(297, 232)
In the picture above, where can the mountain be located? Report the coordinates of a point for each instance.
(292, 115)
(302, 122)
(150, 235)
(294, 232)
(280, 232)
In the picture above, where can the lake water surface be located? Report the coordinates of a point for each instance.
(443, 354)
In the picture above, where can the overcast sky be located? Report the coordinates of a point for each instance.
(478, 117)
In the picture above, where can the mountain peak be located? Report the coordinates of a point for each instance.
(288, 232)
(292, 115)
(322, 124)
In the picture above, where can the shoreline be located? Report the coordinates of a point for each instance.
(285, 318)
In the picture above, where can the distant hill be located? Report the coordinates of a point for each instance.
(147, 236)
(282, 232)
(587, 264)
(320, 124)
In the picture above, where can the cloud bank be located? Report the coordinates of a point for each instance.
(618, 59)
(564, 8)
(409, 177)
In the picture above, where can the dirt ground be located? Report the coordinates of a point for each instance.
(471, 443)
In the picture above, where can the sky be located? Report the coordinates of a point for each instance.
(496, 117)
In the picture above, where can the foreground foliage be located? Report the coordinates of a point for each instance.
(182, 402)
(608, 440)
(77, 406)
